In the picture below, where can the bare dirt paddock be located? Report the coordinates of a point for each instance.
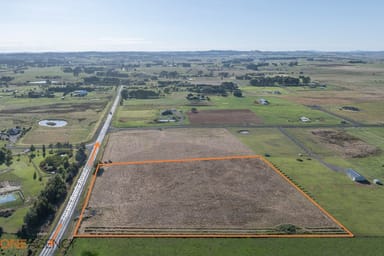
(138, 145)
(223, 116)
(224, 195)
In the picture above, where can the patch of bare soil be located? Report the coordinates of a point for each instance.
(199, 195)
(138, 145)
(236, 116)
(345, 143)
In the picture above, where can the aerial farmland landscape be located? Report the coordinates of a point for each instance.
(122, 145)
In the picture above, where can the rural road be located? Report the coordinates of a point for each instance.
(66, 216)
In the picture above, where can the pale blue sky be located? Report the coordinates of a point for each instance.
(156, 25)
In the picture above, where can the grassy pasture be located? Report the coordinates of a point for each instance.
(31, 73)
(346, 200)
(280, 111)
(81, 113)
(228, 246)
(21, 172)
(370, 112)
(141, 113)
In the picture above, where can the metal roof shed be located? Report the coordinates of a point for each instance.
(355, 176)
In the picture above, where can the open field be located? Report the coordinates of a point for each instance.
(358, 207)
(280, 111)
(239, 117)
(240, 195)
(142, 113)
(20, 173)
(344, 199)
(228, 246)
(82, 115)
(370, 112)
(31, 74)
(140, 145)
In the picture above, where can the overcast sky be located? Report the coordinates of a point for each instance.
(174, 25)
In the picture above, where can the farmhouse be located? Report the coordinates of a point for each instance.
(80, 93)
(355, 176)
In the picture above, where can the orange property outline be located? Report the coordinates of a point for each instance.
(348, 234)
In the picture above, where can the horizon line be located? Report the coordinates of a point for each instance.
(185, 51)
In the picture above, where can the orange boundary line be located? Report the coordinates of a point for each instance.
(86, 201)
(93, 154)
(182, 160)
(350, 234)
(221, 235)
(51, 241)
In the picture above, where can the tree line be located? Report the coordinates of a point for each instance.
(139, 94)
(54, 193)
(280, 81)
(5, 156)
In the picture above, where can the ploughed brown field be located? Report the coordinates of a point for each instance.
(240, 117)
(234, 195)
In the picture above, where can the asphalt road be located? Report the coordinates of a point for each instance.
(66, 216)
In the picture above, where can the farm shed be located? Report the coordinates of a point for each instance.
(305, 119)
(263, 102)
(355, 176)
(80, 93)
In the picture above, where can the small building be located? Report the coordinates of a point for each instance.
(355, 176)
(80, 93)
(165, 120)
(263, 102)
(14, 131)
(167, 112)
(305, 119)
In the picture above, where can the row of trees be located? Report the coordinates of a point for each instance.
(105, 80)
(139, 94)
(223, 89)
(5, 156)
(49, 200)
(6, 79)
(44, 207)
(69, 88)
(280, 81)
